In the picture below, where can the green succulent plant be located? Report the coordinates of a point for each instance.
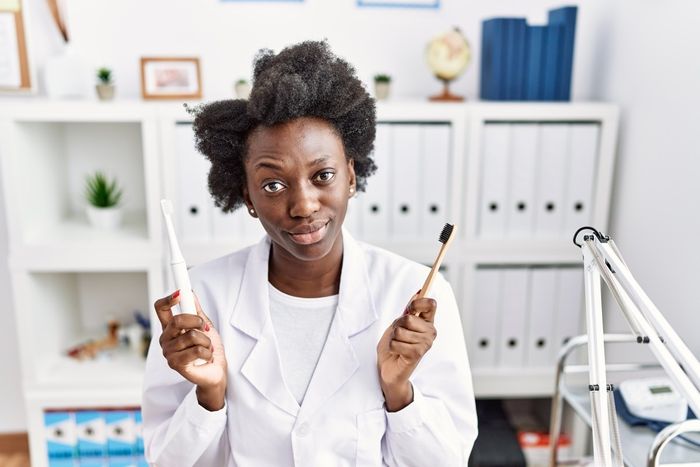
(382, 78)
(104, 75)
(101, 192)
(242, 81)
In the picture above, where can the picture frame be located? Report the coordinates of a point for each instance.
(16, 74)
(171, 78)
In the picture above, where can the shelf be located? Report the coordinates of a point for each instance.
(512, 251)
(122, 369)
(513, 382)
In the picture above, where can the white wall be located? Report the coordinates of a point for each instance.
(636, 52)
(649, 66)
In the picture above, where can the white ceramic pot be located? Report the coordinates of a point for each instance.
(242, 90)
(105, 91)
(104, 218)
(381, 90)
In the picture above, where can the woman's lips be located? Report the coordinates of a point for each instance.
(310, 237)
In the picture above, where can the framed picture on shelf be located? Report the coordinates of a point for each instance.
(170, 78)
(15, 70)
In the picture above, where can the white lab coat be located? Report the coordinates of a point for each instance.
(342, 420)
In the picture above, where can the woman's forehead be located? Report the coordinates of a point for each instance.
(306, 138)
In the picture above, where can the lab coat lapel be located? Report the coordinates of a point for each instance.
(338, 360)
(251, 315)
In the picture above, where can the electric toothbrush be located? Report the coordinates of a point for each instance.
(179, 267)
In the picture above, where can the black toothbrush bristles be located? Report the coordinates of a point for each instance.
(446, 232)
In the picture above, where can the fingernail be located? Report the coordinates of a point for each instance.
(176, 294)
(206, 327)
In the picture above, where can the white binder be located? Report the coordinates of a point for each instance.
(494, 180)
(569, 306)
(484, 321)
(551, 177)
(540, 326)
(435, 179)
(227, 227)
(520, 208)
(583, 158)
(193, 199)
(375, 205)
(353, 216)
(406, 180)
(511, 336)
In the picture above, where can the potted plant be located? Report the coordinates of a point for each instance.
(103, 196)
(105, 86)
(242, 89)
(382, 84)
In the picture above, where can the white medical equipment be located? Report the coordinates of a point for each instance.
(601, 257)
(654, 399)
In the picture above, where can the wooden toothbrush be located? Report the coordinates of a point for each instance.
(446, 237)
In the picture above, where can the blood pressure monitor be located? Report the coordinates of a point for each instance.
(654, 399)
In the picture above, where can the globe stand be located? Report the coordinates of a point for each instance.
(446, 95)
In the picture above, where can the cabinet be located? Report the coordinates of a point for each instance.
(436, 165)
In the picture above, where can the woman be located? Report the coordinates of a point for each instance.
(311, 362)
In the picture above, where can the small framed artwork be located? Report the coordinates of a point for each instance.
(399, 3)
(15, 70)
(170, 78)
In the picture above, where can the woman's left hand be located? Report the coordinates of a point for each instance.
(401, 348)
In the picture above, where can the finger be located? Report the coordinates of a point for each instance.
(407, 310)
(186, 340)
(411, 352)
(409, 337)
(163, 307)
(425, 308)
(183, 358)
(180, 323)
(201, 313)
(414, 323)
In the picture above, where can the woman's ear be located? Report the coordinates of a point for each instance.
(249, 203)
(352, 178)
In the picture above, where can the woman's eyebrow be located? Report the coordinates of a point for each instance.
(320, 160)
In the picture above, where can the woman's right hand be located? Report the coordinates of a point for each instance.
(187, 338)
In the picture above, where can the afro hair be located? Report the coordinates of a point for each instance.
(303, 80)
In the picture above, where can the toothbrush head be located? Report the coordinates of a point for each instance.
(166, 206)
(446, 233)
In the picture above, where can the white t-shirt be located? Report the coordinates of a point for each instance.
(301, 327)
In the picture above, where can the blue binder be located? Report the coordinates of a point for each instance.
(552, 61)
(534, 52)
(566, 18)
(514, 73)
(492, 58)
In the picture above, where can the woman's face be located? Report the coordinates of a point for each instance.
(298, 180)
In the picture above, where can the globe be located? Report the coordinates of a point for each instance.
(448, 55)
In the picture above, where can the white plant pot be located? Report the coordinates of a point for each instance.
(381, 90)
(104, 218)
(105, 92)
(242, 90)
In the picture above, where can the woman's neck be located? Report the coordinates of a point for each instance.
(307, 279)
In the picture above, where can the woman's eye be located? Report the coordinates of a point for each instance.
(325, 176)
(273, 187)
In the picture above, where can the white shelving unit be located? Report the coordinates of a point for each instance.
(68, 278)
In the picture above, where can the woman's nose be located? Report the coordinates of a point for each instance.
(304, 201)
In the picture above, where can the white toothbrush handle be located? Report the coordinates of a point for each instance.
(187, 305)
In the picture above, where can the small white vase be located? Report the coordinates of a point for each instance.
(104, 218)
(105, 92)
(242, 90)
(381, 90)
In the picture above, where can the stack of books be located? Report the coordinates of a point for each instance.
(530, 63)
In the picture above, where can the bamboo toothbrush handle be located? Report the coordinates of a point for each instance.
(433, 271)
